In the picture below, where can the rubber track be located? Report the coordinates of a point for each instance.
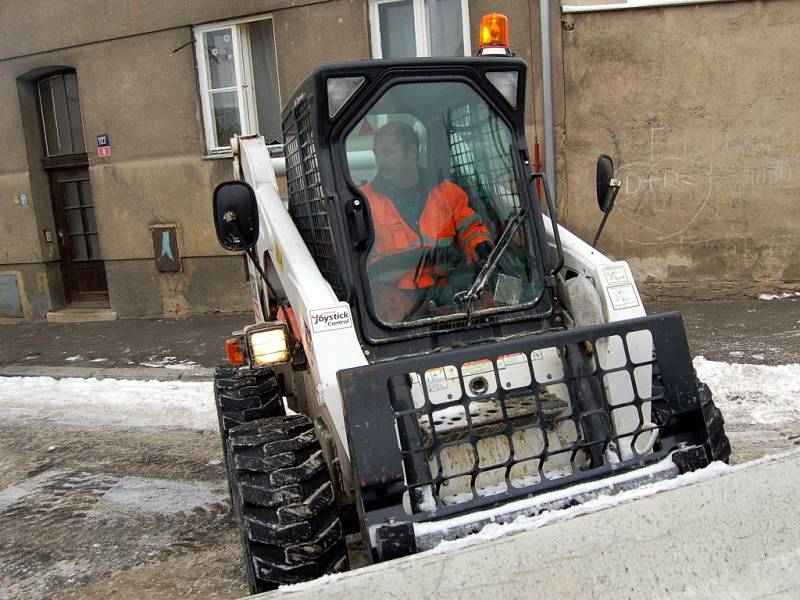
(718, 443)
(285, 502)
(243, 395)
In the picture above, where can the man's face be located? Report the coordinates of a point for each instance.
(396, 164)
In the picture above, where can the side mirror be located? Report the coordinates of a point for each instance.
(607, 190)
(236, 215)
(605, 175)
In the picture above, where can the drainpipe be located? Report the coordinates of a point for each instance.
(547, 93)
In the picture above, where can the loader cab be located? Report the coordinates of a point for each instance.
(425, 167)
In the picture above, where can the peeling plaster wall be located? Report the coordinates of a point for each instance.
(698, 107)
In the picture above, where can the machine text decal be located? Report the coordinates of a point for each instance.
(330, 319)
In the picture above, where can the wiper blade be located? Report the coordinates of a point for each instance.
(466, 297)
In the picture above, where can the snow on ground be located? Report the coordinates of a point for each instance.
(170, 362)
(753, 393)
(778, 296)
(111, 402)
(745, 393)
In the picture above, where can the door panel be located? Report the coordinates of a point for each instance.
(81, 258)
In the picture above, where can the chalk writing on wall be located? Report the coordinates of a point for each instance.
(674, 190)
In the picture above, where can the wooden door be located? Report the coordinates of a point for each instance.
(81, 258)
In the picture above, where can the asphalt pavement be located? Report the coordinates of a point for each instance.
(169, 348)
(745, 331)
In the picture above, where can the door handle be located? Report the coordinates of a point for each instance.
(356, 211)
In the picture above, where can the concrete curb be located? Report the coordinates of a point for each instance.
(134, 373)
(734, 536)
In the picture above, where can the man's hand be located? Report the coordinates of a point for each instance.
(482, 252)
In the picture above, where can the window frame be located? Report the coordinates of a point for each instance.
(243, 70)
(421, 28)
(70, 122)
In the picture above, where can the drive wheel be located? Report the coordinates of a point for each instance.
(242, 395)
(719, 446)
(284, 502)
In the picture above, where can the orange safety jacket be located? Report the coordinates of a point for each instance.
(445, 220)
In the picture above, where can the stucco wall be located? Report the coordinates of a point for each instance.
(695, 103)
(137, 82)
(698, 107)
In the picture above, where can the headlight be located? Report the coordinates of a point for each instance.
(268, 344)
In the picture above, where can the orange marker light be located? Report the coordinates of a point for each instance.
(494, 31)
(233, 348)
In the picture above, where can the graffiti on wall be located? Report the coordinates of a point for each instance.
(676, 190)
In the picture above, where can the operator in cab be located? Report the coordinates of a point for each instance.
(424, 227)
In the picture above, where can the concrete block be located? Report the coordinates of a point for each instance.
(735, 536)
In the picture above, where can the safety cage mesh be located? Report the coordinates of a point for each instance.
(480, 160)
(307, 199)
(531, 419)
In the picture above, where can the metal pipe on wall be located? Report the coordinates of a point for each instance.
(547, 95)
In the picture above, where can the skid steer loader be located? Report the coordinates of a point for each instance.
(522, 380)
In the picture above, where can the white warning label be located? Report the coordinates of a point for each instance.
(623, 296)
(477, 366)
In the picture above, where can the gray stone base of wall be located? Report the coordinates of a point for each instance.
(40, 289)
(206, 284)
(712, 290)
(218, 284)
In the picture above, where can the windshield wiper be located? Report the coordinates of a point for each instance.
(467, 297)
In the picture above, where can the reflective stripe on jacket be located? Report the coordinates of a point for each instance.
(445, 219)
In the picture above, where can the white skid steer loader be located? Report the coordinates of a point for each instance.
(433, 388)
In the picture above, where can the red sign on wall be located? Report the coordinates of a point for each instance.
(104, 151)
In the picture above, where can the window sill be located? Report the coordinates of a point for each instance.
(567, 8)
(218, 155)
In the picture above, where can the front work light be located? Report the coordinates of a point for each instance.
(268, 344)
(340, 90)
(506, 84)
(494, 34)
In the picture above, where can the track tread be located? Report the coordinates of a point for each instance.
(244, 395)
(719, 446)
(284, 500)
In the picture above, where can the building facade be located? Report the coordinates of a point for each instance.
(117, 119)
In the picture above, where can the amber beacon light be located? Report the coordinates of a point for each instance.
(494, 34)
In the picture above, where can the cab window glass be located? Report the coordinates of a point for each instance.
(435, 163)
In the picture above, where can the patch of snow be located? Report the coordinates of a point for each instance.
(110, 402)
(753, 393)
(156, 496)
(13, 493)
(98, 360)
(75, 358)
(778, 296)
(170, 362)
(185, 366)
